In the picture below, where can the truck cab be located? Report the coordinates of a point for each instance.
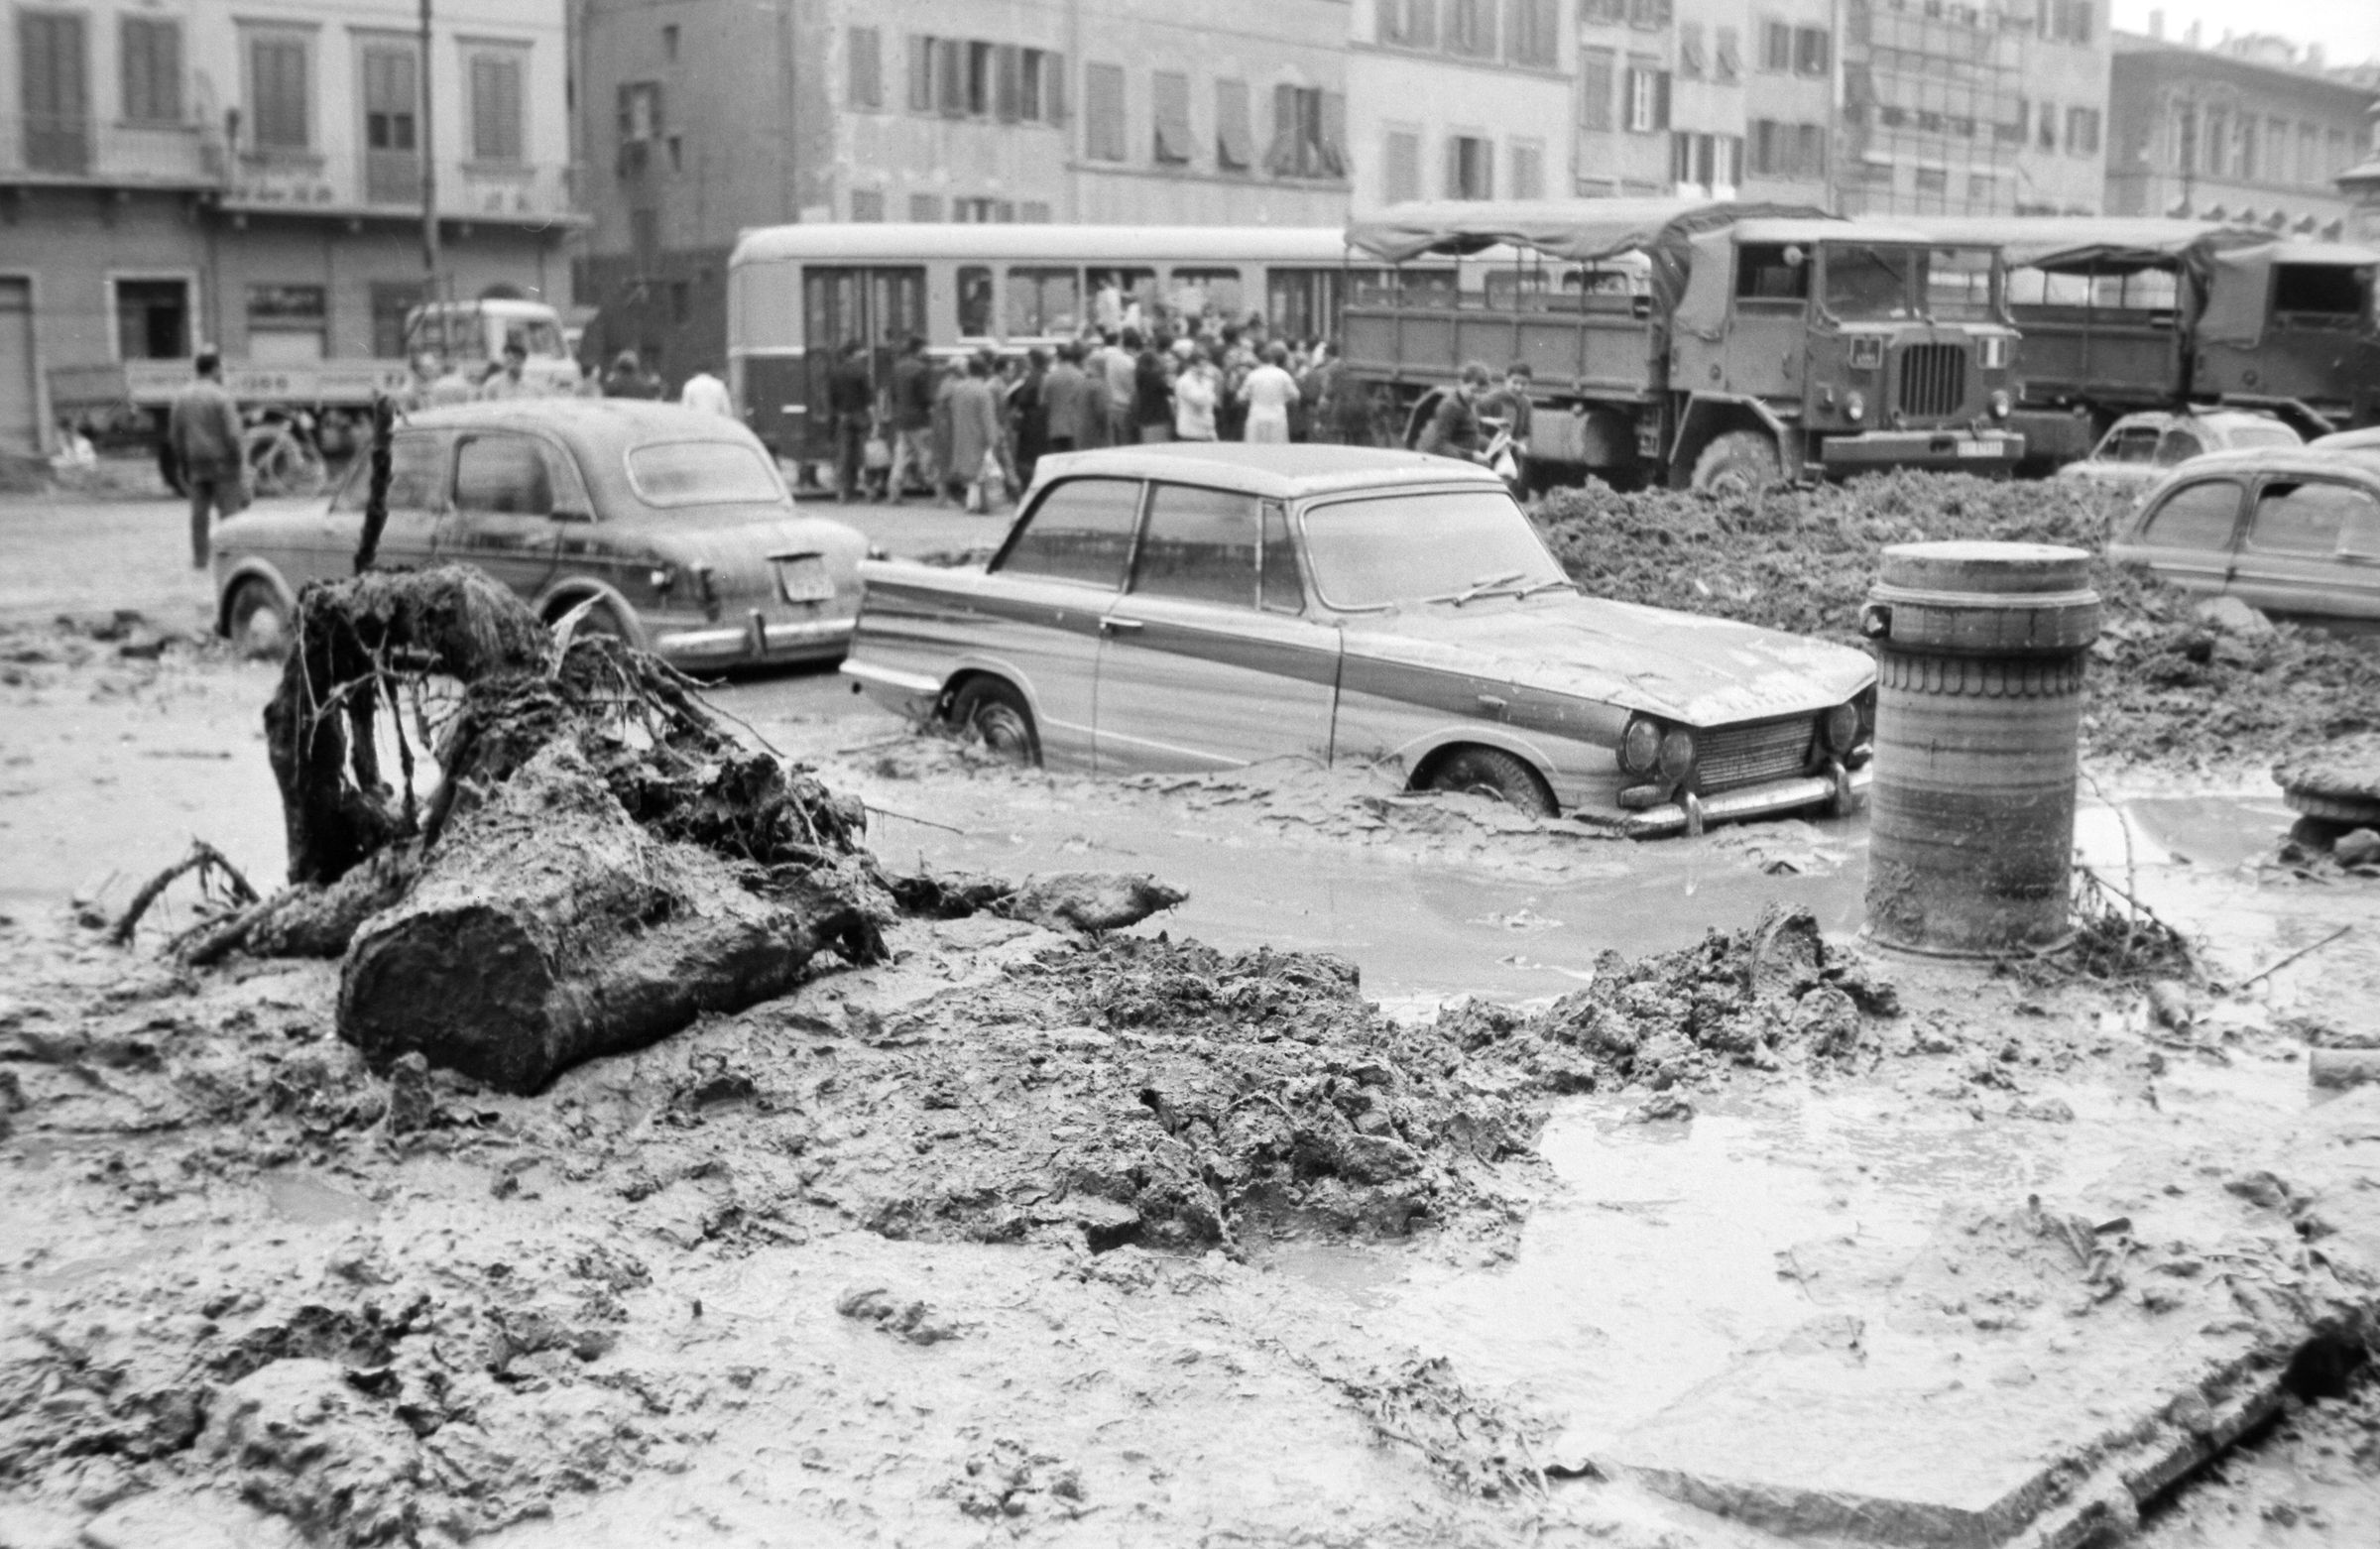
(2291, 327)
(1835, 347)
(473, 334)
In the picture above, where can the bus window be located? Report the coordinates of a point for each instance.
(1123, 297)
(1206, 293)
(975, 301)
(1371, 287)
(1044, 302)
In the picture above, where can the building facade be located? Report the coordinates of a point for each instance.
(1460, 99)
(702, 117)
(189, 170)
(2247, 130)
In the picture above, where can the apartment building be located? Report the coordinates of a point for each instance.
(2249, 130)
(1460, 99)
(189, 171)
(701, 118)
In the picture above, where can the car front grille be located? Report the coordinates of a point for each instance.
(1747, 755)
(1933, 380)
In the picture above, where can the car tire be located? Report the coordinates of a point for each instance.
(1491, 771)
(257, 621)
(1741, 463)
(993, 713)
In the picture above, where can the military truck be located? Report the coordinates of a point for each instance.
(1763, 343)
(2123, 314)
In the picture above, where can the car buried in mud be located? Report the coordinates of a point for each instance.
(1185, 608)
(671, 528)
(2294, 533)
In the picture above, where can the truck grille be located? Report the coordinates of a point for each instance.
(1747, 755)
(1933, 380)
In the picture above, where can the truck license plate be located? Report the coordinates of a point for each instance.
(1978, 448)
(803, 578)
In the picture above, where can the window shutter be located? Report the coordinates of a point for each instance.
(950, 64)
(1008, 76)
(1660, 100)
(1169, 103)
(1334, 134)
(1280, 158)
(1235, 149)
(921, 74)
(1454, 167)
(1053, 89)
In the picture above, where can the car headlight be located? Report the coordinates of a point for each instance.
(1677, 754)
(2000, 404)
(1854, 407)
(1641, 747)
(662, 578)
(1839, 728)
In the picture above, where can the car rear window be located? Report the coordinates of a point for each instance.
(2196, 515)
(416, 469)
(702, 473)
(1368, 553)
(2307, 519)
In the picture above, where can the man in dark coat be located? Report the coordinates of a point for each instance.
(850, 399)
(1066, 403)
(1454, 430)
(203, 429)
(912, 420)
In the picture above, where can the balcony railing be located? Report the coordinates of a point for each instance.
(80, 150)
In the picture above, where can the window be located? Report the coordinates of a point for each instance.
(1279, 588)
(702, 473)
(1930, 179)
(1532, 33)
(2310, 154)
(862, 57)
(669, 41)
(2178, 447)
(1409, 24)
(1200, 546)
(503, 474)
(640, 111)
(53, 76)
(1769, 272)
(2317, 294)
(2083, 131)
(2275, 150)
(2066, 21)
(1648, 97)
(1528, 169)
(1470, 167)
(975, 299)
(1726, 64)
(2045, 121)
(1103, 112)
(280, 98)
(867, 204)
(1235, 133)
(2196, 515)
(1081, 530)
(496, 105)
(417, 476)
(153, 320)
(1597, 68)
(1309, 134)
(391, 104)
(2135, 445)
(1648, 14)
(2307, 519)
(2215, 142)
(1776, 46)
(1811, 53)
(1169, 105)
(1603, 13)
(1400, 165)
(1810, 152)
(286, 323)
(1471, 27)
(1044, 302)
(1689, 50)
(968, 78)
(2247, 146)
(1205, 293)
(925, 207)
(152, 56)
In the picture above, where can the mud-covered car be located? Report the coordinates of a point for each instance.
(674, 526)
(2296, 534)
(1189, 608)
(2139, 449)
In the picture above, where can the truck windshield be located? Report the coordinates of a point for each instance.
(703, 473)
(1370, 553)
(1864, 282)
(1959, 284)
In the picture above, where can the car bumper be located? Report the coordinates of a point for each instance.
(1992, 453)
(1751, 801)
(757, 641)
(913, 694)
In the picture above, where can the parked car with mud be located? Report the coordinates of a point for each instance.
(1192, 607)
(2139, 449)
(2295, 534)
(673, 527)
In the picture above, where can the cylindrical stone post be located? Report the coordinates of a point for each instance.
(1979, 656)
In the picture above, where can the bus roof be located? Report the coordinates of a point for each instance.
(890, 242)
(1582, 229)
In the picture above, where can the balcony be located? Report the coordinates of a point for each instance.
(43, 147)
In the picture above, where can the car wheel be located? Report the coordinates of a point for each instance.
(995, 714)
(1491, 771)
(1739, 463)
(256, 621)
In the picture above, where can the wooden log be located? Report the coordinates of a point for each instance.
(548, 927)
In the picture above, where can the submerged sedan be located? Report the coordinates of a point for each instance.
(2296, 534)
(1191, 608)
(673, 526)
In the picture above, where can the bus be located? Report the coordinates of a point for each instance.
(797, 294)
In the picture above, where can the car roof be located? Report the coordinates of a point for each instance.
(2364, 440)
(1291, 472)
(585, 420)
(2356, 466)
(2219, 420)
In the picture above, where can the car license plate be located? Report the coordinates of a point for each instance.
(1978, 448)
(803, 578)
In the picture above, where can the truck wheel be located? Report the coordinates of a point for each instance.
(255, 622)
(1741, 462)
(1491, 771)
(992, 711)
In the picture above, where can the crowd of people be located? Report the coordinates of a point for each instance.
(972, 430)
(438, 381)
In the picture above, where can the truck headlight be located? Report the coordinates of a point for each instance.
(2000, 404)
(1855, 407)
(1641, 747)
(1995, 351)
(1677, 754)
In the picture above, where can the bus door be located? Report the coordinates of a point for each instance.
(879, 306)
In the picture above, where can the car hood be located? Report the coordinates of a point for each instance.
(1685, 667)
(731, 538)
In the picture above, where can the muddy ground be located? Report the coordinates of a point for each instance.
(1196, 1234)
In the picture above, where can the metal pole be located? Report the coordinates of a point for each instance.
(429, 174)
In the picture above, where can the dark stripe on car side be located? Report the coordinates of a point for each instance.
(1315, 664)
(1042, 611)
(1470, 696)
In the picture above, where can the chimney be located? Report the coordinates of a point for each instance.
(2157, 25)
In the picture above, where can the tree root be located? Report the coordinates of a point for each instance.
(212, 867)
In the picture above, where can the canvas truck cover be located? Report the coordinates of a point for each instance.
(2243, 282)
(1579, 230)
(2110, 244)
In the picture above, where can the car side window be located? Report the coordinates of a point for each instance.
(2179, 446)
(417, 464)
(2134, 445)
(2196, 515)
(1282, 591)
(503, 474)
(2308, 517)
(1200, 546)
(1082, 531)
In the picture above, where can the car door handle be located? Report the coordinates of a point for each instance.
(1491, 701)
(1120, 625)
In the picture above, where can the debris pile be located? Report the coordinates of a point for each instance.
(2172, 682)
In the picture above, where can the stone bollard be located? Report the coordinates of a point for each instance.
(1979, 657)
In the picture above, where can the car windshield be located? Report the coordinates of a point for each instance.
(1959, 282)
(703, 473)
(1392, 548)
(1871, 282)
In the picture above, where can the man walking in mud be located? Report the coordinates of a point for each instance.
(203, 429)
